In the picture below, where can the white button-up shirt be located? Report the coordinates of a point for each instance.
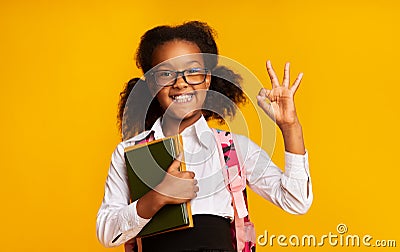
(290, 190)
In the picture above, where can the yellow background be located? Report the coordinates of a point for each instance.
(63, 64)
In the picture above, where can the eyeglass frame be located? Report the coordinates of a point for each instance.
(180, 73)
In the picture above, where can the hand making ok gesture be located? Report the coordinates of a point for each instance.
(278, 104)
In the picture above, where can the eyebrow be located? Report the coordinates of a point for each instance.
(166, 64)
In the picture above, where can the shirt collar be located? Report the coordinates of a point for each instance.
(157, 129)
(198, 131)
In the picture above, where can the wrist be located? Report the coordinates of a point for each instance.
(159, 200)
(293, 138)
(290, 127)
(149, 204)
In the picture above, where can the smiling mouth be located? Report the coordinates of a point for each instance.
(183, 98)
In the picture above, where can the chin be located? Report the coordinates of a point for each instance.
(184, 115)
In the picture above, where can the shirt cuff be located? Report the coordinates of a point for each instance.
(133, 224)
(296, 165)
(136, 220)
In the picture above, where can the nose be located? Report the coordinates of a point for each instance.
(180, 82)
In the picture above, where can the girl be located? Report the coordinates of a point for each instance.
(183, 76)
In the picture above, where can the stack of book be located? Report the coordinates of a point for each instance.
(146, 165)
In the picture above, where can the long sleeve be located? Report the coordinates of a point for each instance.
(117, 220)
(291, 190)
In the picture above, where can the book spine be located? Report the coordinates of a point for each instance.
(186, 207)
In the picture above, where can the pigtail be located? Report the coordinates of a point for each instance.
(123, 97)
(137, 109)
(224, 82)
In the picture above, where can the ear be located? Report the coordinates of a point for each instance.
(150, 85)
(208, 80)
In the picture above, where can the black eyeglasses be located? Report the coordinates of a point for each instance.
(192, 76)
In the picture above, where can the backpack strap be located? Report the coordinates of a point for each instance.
(235, 179)
(243, 232)
(148, 138)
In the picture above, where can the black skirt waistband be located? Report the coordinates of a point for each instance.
(210, 232)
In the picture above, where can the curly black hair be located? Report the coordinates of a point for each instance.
(223, 80)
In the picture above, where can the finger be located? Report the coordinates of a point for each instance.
(268, 94)
(174, 166)
(195, 182)
(269, 110)
(272, 75)
(266, 106)
(186, 176)
(262, 92)
(286, 75)
(189, 174)
(296, 83)
(196, 189)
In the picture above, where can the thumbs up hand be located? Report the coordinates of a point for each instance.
(177, 186)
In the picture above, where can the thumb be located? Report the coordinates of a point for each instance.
(263, 99)
(174, 166)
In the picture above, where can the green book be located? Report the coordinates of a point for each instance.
(147, 164)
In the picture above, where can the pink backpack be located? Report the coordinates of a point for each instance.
(242, 229)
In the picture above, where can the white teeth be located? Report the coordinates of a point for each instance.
(183, 98)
